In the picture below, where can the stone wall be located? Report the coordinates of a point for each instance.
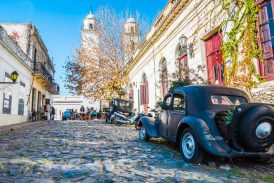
(264, 93)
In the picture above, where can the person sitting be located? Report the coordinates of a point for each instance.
(94, 114)
(76, 115)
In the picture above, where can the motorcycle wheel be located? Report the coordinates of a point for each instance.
(117, 123)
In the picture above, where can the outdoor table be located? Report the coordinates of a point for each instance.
(82, 115)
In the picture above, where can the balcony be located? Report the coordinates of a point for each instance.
(54, 89)
(43, 75)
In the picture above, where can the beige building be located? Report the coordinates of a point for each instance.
(184, 36)
(42, 85)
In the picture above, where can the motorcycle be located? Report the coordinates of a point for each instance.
(119, 118)
(152, 114)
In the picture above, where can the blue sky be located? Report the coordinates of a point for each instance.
(59, 21)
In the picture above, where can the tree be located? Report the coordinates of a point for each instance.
(240, 44)
(99, 66)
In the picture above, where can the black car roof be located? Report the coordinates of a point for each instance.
(198, 96)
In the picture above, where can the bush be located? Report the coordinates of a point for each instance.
(178, 83)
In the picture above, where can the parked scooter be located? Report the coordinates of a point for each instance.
(119, 118)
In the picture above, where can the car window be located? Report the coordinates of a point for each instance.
(179, 102)
(227, 100)
(167, 102)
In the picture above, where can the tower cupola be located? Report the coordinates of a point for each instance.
(90, 22)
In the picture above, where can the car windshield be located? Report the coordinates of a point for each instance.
(227, 100)
(125, 104)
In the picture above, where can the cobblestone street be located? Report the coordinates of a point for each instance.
(99, 152)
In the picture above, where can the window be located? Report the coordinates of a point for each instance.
(227, 100)
(179, 102)
(21, 107)
(132, 29)
(167, 102)
(144, 90)
(35, 55)
(7, 101)
(164, 76)
(266, 33)
(91, 26)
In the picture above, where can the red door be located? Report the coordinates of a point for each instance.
(144, 95)
(215, 63)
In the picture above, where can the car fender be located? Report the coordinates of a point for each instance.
(212, 144)
(150, 125)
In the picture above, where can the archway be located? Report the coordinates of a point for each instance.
(163, 77)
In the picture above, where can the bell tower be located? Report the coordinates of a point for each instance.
(90, 36)
(131, 38)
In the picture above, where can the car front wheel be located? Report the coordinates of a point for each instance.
(143, 136)
(189, 147)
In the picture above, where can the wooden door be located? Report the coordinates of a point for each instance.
(215, 63)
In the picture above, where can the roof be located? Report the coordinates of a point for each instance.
(198, 96)
(90, 16)
(131, 20)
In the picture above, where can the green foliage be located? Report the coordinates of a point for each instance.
(178, 83)
(240, 44)
(160, 104)
(229, 116)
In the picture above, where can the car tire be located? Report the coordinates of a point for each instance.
(257, 128)
(143, 135)
(190, 150)
(138, 126)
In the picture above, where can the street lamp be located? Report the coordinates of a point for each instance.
(183, 43)
(14, 76)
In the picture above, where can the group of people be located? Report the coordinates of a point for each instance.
(74, 114)
(47, 112)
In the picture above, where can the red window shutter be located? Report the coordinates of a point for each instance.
(131, 94)
(142, 94)
(146, 92)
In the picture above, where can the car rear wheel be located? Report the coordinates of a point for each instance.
(143, 135)
(257, 128)
(189, 147)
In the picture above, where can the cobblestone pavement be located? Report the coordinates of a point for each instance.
(99, 152)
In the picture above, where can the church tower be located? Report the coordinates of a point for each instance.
(90, 36)
(131, 37)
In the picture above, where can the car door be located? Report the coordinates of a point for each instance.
(176, 113)
(163, 117)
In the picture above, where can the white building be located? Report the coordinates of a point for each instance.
(14, 98)
(43, 86)
(62, 103)
(161, 54)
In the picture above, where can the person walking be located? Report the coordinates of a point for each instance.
(52, 113)
(49, 112)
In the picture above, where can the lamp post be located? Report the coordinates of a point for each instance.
(183, 43)
(14, 76)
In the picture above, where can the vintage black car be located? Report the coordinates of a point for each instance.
(122, 106)
(195, 118)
